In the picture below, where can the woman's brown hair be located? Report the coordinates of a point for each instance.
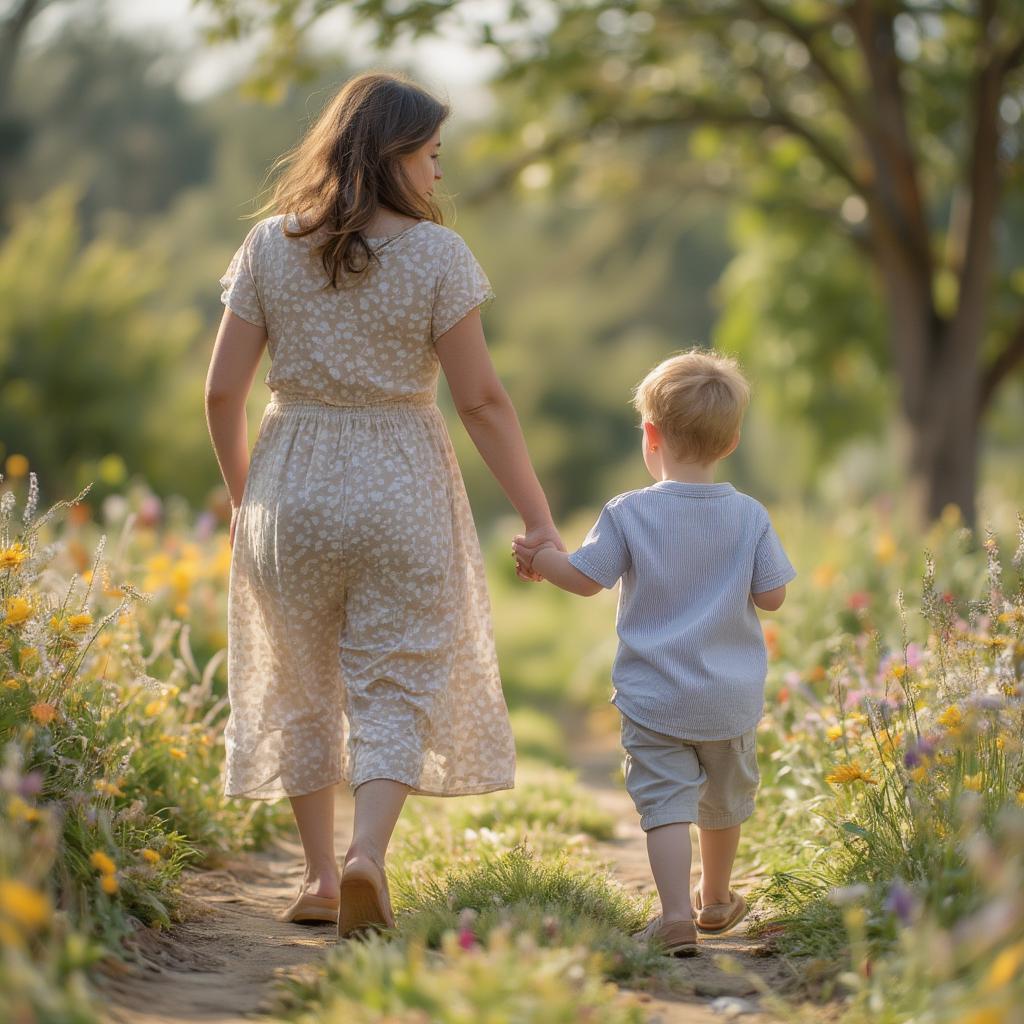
(347, 166)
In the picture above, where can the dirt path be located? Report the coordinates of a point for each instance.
(705, 992)
(221, 965)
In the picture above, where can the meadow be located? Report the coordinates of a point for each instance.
(889, 834)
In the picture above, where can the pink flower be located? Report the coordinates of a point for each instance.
(858, 599)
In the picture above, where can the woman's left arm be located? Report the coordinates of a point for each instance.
(236, 357)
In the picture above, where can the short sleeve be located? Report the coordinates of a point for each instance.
(771, 566)
(603, 555)
(240, 292)
(462, 288)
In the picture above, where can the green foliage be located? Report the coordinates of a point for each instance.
(89, 373)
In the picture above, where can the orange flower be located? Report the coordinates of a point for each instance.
(43, 713)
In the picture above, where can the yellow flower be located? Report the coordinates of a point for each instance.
(43, 713)
(17, 466)
(80, 621)
(1020, 797)
(885, 548)
(153, 708)
(857, 718)
(27, 907)
(17, 808)
(12, 684)
(17, 611)
(951, 718)
(989, 1015)
(824, 575)
(898, 671)
(107, 788)
(178, 753)
(919, 774)
(108, 883)
(181, 609)
(834, 732)
(12, 557)
(102, 863)
(843, 774)
(150, 855)
(1005, 968)
(973, 782)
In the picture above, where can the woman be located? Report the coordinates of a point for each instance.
(359, 636)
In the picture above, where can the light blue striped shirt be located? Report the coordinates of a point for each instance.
(691, 661)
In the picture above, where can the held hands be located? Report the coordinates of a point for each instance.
(525, 546)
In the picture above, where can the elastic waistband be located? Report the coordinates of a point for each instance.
(405, 402)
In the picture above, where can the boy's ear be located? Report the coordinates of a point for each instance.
(653, 435)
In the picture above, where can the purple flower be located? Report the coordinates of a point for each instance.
(31, 784)
(900, 902)
(918, 752)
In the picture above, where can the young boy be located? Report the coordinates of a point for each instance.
(694, 557)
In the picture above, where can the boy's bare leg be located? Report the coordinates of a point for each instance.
(717, 853)
(669, 851)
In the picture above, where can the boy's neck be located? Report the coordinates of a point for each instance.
(689, 472)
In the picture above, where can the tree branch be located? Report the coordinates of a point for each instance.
(1001, 367)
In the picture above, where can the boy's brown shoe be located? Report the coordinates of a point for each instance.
(676, 938)
(719, 917)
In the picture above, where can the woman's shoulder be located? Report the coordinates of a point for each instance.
(440, 236)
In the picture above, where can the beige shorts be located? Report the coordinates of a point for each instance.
(672, 780)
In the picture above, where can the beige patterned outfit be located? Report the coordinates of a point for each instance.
(359, 626)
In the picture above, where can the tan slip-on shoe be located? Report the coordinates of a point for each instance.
(365, 899)
(677, 938)
(308, 908)
(716, 918)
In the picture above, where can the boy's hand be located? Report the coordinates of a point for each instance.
(525, 546)
(525, 555)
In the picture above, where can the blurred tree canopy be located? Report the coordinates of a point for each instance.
(890, 125)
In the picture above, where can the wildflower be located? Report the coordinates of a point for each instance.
(80, 621)
(177, 753)
(153, 708)
(898, 671)
(844, 774)
(858, 600)
(12, 557)
(919, 774)
(150, 856)
(834, 732)
(951, 718)
(16, 466)
(1005, 968)
(900, 902)
(102, 863)
(885, 548)
(467, 939)
(19, 810)
(973, 782)
(43, 713)
(824, 575)
(23, 905)
(107, 788)
(847, 894)
(918, 753)
(108, 883)
(12, 684)
(17, 611)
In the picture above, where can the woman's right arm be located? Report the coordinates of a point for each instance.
(490, 420)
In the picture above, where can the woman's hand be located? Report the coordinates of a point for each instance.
(532, 541)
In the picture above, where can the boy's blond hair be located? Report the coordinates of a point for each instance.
(697, 400)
